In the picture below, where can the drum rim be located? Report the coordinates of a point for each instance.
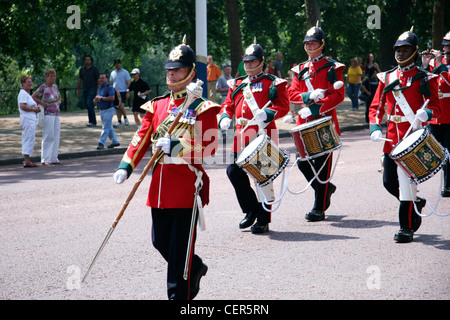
(411, 147)
(307, 125)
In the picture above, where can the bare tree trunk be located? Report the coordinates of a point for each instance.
(438, 23)
(312, 13)
(393, 23)
(234, 32)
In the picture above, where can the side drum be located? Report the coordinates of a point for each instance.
(420, 155)
(263, 160)
(315, 138)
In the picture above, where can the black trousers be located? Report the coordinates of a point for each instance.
(246, 196)
(442, 134)
(170, 236)
(320, 190)
(406, 213)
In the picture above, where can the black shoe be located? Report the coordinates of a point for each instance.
(315, 215)
(404, 235)
(195, 281)
(446, 192)
(112, 145)
(248, 220)
(258, 228)
(100, 146)
(330, 191)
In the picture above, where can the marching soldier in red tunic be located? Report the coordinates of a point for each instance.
(178, 175)
(245, 100)
(403, 90)
(312, 88)
(440, 127)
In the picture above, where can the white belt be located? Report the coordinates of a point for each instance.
(397, 119)
(444, 95)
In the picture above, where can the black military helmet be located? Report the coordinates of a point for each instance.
(446, 40)
(253, 52)
(314, 34)
(182, 56)
(407, 38)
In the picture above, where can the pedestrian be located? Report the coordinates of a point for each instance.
(28, 110)
(88, 75)
(213, 74)
(278, 66)
(269, 69)
(312, 89)
(403, 90)
(178, 173)
(440, 127)
(48, 96)
(141, 90)
(369, 86)
(354, 77)
(245, 101)
(240, 69)
(120, 79)
(371, 65)
(105, 103)
(222, 83)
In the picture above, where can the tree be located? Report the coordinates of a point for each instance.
(234, 34)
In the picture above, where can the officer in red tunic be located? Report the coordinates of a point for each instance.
(245, 100)
(403, 90)
(440, 127)
(312, 89)
(178, 173)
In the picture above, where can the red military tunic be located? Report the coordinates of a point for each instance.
(172, 185)
(443, 91)
(319, 79)
(237, 106)
(397, 124)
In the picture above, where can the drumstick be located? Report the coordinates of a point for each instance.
(336, 86)
(385, 139)
(412, 124)
(253, 119)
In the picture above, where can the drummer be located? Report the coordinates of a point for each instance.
(245, 100)
(403, 90)
(312, 89)
(440, 127)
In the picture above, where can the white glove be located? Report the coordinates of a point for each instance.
(120, 176)
(376, 135)
(305, 112)
(259, 118)
(421, 115)
(317, 94)
(225, 123)
(164, 144)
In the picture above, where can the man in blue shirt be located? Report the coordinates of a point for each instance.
(105, 102)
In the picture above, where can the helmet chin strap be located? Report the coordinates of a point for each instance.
(182, 80)
(259, 65)
(407, 60)
(315, 50)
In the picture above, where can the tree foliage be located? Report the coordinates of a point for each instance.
(35, 35)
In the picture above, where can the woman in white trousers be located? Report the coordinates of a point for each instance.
(28, 110)
(48, 96)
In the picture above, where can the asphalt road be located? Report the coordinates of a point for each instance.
(53, 220)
